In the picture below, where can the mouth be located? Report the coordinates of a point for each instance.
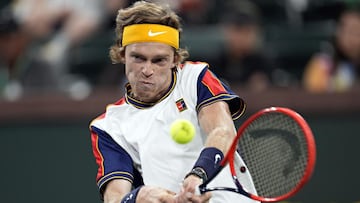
(146, 84)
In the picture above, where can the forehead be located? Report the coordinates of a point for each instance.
(150, 48)
(351, 19)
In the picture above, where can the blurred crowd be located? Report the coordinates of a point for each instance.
(61, 46)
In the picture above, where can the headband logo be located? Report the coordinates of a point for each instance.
(153, 34)
(138, 33)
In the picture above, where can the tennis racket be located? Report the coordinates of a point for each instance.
(279, 150)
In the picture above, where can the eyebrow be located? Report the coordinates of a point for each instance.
(133, 53)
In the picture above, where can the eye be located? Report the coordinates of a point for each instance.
(138, 58)
(160, 61)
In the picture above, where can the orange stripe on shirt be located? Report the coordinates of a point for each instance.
(98, 156)
(213, 84)
(120, 101)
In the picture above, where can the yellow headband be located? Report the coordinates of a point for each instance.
(150, 33)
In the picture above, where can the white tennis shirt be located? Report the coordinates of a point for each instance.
(143, 131)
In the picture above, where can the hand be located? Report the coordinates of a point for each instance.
(187, 192)
(152, 194)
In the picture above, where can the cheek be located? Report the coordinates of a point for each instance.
(131, 70)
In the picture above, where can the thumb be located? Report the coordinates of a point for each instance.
(169, 197)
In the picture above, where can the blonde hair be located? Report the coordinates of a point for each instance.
(143, 12)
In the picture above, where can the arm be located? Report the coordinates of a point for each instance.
(215, 119)
(115, 178)
(116, 190)
(217, 107)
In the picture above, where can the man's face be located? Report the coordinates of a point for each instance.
(241, 39)
(348, 35)
(148, 69)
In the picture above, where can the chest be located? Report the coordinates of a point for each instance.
(146, 132)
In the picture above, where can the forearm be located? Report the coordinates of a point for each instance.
(116, 190)
(217, 123)
(220, 138)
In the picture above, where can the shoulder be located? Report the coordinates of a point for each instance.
(192, 66)
(191, 70)
(103, 118)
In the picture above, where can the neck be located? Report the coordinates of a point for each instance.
(153, 99)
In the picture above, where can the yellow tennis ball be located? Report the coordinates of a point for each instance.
(182, 131)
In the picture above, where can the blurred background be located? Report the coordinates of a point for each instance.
(56, 76)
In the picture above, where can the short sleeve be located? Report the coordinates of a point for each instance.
(210, 90)
(112, 160)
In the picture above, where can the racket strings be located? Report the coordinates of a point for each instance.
(275, 152)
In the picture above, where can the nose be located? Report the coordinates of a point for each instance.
(147, 69)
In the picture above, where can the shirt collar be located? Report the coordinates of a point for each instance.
(140, 104)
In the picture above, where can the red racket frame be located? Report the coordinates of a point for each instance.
(229, 158)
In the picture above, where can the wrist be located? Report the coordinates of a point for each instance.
(207, 163)
(198, 172)
(131, 196)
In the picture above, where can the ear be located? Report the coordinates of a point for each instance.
(176, 59)
(122, 55)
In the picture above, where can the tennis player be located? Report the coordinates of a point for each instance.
(137, 159)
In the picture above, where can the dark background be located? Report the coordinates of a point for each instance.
(46, 150)
(46, 153)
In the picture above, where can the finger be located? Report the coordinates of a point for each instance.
(184, 197)
(201, 198)
(206, 196)
(170, 192)
(168, 198)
